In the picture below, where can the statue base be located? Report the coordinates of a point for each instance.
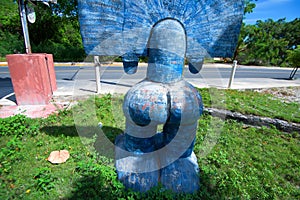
(140, 171)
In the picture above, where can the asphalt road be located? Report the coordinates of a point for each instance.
(110, 74)
(115, 72)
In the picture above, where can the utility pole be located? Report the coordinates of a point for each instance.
(23, 15)
(22, 10)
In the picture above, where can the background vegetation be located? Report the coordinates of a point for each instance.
(56, 31)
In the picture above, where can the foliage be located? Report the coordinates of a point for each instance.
(10, 43)
(55, 31)
(249, 6)
(294, 57)
(18, 125)
(67, 8)
(268, 42)
(247, 163)
(9, 16)
(44, 179)
(61, 52)
(61, 38)
(242, 163)
(11, 40)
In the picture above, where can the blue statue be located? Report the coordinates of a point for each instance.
(167, 31)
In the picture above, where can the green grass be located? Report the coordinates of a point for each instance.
(236, 161)
(250, 102)
(250, 163)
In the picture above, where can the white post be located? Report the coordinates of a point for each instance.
(232, 73)
(97, 73)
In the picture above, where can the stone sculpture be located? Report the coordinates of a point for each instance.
(166, 31)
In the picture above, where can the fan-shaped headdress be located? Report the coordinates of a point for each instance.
(122, 28)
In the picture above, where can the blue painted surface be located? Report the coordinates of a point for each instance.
(130, 63)
(166, 31)
(182, 175)
(162, 98)
(142, 181)
(166, 57)
(120, 27)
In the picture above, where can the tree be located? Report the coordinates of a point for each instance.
(249, 6)
(11, 39)
(294, 57)
(55, 31)
(292, 32)
(9, 17)
(61, 33)
(267, 42)
(68, 8)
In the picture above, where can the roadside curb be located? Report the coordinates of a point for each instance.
(3, 64)
(83, 64)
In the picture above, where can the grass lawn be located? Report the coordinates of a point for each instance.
(250, 102)
(236, 161)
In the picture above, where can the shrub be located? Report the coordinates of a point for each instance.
(294, 57)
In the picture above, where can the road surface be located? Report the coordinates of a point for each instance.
(115, 72)
(82, 78)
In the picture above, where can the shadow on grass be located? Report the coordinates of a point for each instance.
(57, 131)
(106, 186)
(98, 179)
(97, 186)
(100, 139)
(79, 131)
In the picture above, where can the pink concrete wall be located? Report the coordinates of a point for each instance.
(33, 77)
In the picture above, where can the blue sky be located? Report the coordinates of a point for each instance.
(274, 9)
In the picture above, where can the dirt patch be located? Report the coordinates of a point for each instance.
(287, 94)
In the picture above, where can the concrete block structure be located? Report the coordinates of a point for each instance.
(33, 77)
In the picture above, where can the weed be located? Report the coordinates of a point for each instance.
(18, 125)
(44, 179)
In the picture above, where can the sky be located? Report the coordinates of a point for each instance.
(274, 9)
